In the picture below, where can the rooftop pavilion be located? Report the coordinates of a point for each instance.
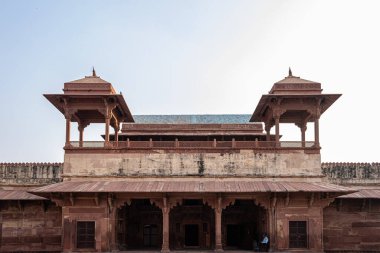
(94, 100)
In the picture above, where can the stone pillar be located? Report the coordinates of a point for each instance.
(272, 228)
(303, 135)
(316, 132)
(165, 226)
(277, 124)
(303, 127)
(116, 134)
(68, 121)
(107, 133)
(112, 223)
(218, 225)
(81, 129)
(267, 130)
(66, 235)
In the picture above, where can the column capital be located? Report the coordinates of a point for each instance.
(82, 125)
(268, 125)
(69, 112)
(277, 112)
(302, 125)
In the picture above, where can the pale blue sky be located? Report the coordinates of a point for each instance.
(188, 57)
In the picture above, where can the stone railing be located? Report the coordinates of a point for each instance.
(30, 173)
(192, 144)
(352, 173)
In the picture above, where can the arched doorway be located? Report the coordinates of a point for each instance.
(139, 226)
(192, 225)
(243, 223)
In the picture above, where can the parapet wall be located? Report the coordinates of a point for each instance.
(30, 173)
(162, 164)
(248, 163)
(352, 173)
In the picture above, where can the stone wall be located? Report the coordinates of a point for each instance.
(86, 210)
(160, 163)
(352, 173)
(299, 208)
(30, 226)
(352, 225)
(28, 174)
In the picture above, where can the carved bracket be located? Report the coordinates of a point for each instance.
(273, 200)
(311, 199)
(218, 203)
(57, 199)
(20, 205)
(71, 198)
(287, 199)
(110, 202)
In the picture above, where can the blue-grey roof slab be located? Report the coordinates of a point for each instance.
(193, 119)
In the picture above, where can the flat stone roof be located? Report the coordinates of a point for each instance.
(193, 119)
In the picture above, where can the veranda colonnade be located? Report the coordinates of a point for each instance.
(218, 203)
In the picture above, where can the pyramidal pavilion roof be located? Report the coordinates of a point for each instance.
(90, 79)
(89, 84)
(290, 79)
(295, 85)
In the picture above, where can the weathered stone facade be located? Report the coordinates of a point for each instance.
(160, 163)
(30, 226)
(361, 174)
(352, 224)
(30, 174)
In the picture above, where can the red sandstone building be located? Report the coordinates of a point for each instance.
(195, 182)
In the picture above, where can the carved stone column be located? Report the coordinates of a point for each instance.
(303, 127)
(277, 124)
(117, 128)
(107, 131)
(112, 222)
(316, 132)
(272, 222)
(317, 115)
(165, 225)
(68, 121)
(80, 128)
(303, 135)
(107, 112)
(267, 130)
(218, 225)
(68, 115)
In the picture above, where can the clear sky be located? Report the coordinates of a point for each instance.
(189, 57)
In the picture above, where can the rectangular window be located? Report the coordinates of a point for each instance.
(297, 234)
(86, 234)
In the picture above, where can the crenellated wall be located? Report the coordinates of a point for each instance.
(30, 174)
(352, 173)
